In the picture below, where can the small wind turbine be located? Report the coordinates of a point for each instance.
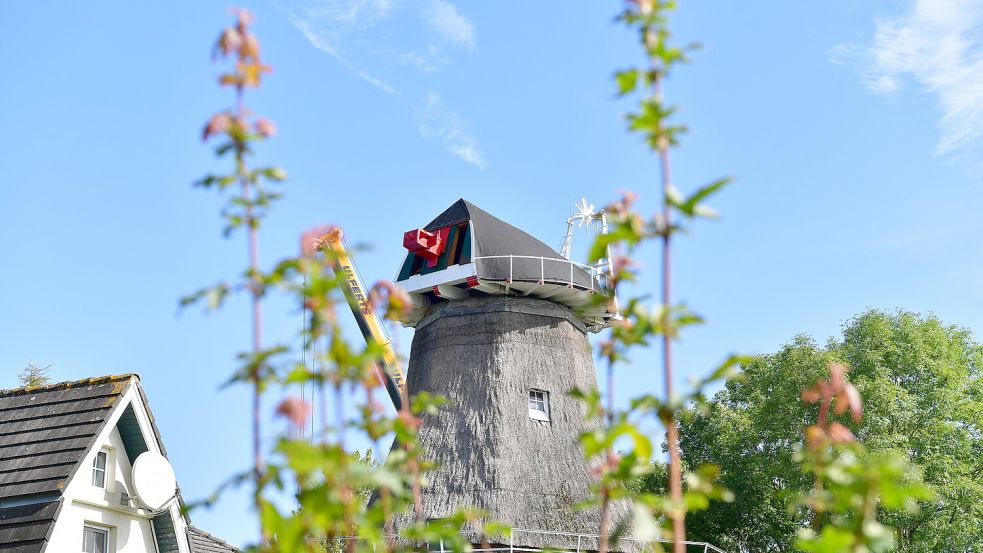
(584, 217)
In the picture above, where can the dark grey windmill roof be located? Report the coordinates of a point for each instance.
(44, 434)
(494, 237)
(203, 542)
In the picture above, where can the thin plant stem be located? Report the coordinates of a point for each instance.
(323, 400)
(339, 407)
(817, 484)
(255, 299)
(672, 432)
(605, 525)
(414, 465)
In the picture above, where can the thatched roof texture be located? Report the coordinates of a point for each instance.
(484, 355)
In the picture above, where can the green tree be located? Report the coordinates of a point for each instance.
(34, 375)
(922, 391)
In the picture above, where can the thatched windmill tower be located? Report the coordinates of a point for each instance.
(501, 325)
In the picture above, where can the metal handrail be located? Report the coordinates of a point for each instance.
(707, 547)
(594, 272)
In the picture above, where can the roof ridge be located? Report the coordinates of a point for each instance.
(69, 384)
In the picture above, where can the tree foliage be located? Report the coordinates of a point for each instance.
(922, 391)
(34, 375)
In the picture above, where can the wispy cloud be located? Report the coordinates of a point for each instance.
(408, 42)
(453, 26)
(322, 42)
(428, 60)
(437, 122)
(937, 46)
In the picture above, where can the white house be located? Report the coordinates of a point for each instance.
(66, 457)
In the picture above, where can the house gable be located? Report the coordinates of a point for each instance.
(50, 437)
(130, 432)
(44, 435)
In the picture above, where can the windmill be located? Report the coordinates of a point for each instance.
(501, 323)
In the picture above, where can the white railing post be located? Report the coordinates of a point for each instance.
(510, 269)
(578, 543)
(512, 541)
(705, 547)
(542, 270)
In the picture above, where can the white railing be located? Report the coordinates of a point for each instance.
(557, 542)
(597, 274)
(585, 541)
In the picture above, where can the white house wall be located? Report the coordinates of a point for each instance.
(130, 528)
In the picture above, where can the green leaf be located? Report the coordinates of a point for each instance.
(729, 368)
(692, 206)
(831, 540)
(627, 80)
(644, 526)
(673, 195)
(274, 174)
(213, 296)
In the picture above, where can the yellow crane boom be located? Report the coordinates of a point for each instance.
(391, 373)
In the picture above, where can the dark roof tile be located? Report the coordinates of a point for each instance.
(203, 542)
(26, 528)
(45, 431)
(13, 451)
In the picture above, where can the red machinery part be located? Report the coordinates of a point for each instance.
(426, 244)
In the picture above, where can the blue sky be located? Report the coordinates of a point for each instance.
(852, 129)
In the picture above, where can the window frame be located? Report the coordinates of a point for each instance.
(99, 530)
(96, 469)
(539, 405)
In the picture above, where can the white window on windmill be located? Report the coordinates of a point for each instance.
(99, 469)
(539, 405)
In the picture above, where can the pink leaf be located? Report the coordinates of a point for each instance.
(811, 395)
(243, 17)
(853, 399)
(250, 47)
(837, 374)
(265, 127)
(294, 409)
(311, 239)
(391, 299)
(839, 433)
(217, 124)
(229, 41)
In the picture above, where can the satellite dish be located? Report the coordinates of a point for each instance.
(153, 480)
